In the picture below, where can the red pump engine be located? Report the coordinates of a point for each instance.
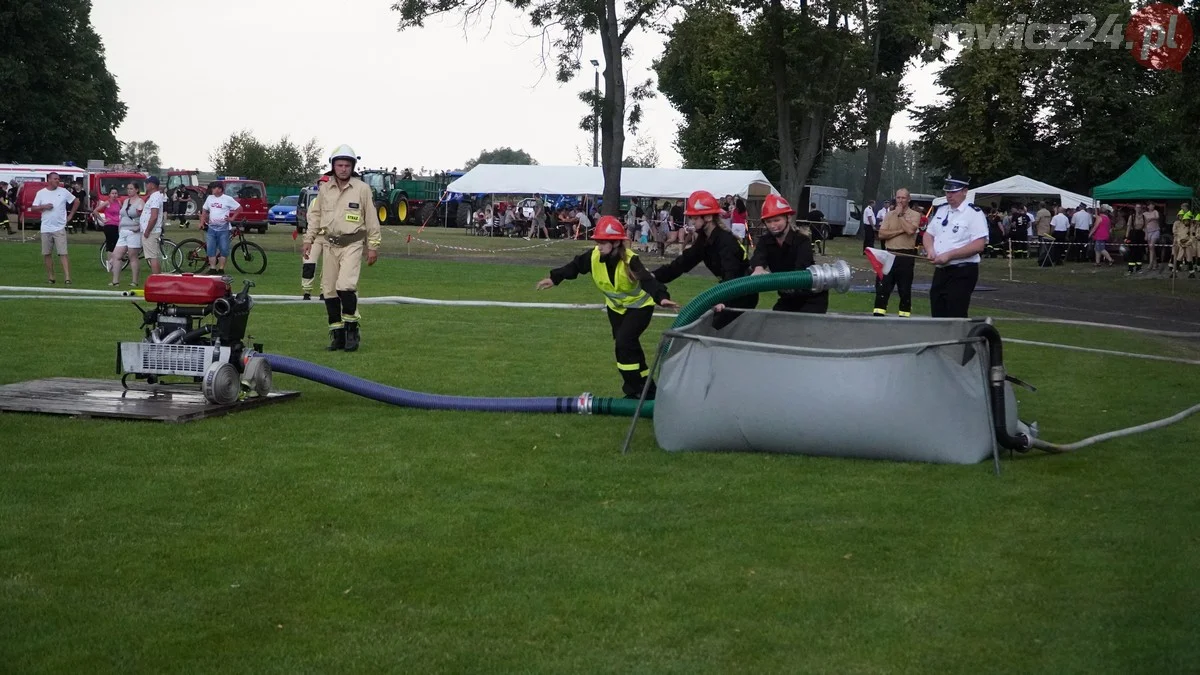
(182, 340)
(185, 289)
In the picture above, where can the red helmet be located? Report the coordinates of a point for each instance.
(702, 203)
(776, 206)
(609, 229)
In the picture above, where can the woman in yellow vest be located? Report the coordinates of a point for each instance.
(630, 292)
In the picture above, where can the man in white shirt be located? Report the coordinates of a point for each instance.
(1081, 224)
(1060, 225)
(956, 235)
(868, 225)
(216, 215)
(151, 222)
(52, 201)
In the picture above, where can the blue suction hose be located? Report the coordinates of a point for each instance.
(818, 277)
(287, 365)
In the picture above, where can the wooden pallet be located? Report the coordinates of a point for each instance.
(107, 398)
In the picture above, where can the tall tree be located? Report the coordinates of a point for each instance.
(707, 72)
(143, 154)
(765, 81)
(987, 126)
(896, 32)
(505, 155)
(564, 23)
(59, 101)
(1070, 117)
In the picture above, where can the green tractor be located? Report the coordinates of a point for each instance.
(391, 200)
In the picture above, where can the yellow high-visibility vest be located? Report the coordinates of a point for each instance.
(625, 293)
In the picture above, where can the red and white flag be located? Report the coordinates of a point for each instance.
(881, 261)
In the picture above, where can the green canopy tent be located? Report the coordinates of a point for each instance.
(1143, 180)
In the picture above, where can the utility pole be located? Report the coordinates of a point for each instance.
(596, 118)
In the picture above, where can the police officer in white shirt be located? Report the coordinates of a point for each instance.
(956, 235)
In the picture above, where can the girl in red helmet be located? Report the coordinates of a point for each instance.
(630, 292)
(717, 248)
(786, 249)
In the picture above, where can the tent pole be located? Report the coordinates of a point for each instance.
(1010, 257)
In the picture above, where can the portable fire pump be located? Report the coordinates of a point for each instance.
(196, 330)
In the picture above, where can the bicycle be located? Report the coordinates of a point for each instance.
(170, 259)
(247, 256)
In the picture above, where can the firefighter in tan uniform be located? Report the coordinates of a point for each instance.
(343, 218)
(1183, 239)
(308, 268)
(1195, 241)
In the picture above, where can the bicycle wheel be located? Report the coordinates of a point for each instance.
(170, 256)
(192, 255)
(104, 257)
(249, 258)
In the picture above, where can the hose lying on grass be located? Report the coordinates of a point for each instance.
(1055, 448)
(584, 404)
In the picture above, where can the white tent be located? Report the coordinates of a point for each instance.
(587, 180)
(1018, 185)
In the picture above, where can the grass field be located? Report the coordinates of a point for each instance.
(335, 534)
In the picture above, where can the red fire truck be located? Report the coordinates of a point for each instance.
(97, 181)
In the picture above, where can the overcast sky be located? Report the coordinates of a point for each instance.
(338, 70)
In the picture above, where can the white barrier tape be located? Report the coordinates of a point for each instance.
(1094, 324)
(495, 250)
(1089, 243)
(1109, 352)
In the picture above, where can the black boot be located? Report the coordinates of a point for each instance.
(337, 340)
(352, 337)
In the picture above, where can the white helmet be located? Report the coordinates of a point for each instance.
(343, 151)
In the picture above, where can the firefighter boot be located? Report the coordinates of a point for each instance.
(337, 339)
(352, 337)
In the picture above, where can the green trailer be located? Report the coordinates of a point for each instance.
(401, 199)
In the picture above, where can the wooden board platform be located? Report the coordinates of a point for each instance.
(107, 398)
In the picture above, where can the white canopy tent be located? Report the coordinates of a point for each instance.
(587, 180)
(1021, 186)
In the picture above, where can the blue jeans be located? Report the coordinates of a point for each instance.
(218, 243)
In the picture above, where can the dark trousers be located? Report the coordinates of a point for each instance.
(111, 234)
(1061, 239)
(627, 332)
(805, 304)
(900, 278)
(722, 319)
(950, 294)
(1137, 249)
(868, 236)
(1079, 244)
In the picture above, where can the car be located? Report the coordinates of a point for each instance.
(284, 211)
(251, 195)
